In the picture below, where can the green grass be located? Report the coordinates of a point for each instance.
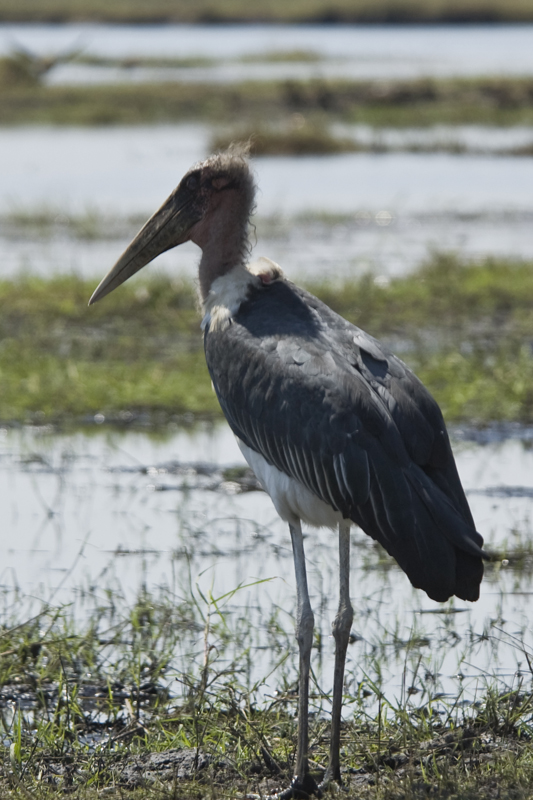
(466, 329)
(138, 352)
(270, 10)
(494, 101)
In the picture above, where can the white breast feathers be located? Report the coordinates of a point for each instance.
(228, 292)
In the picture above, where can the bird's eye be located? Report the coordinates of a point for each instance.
(192, 182)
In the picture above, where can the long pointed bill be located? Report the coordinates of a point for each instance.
(168, 227)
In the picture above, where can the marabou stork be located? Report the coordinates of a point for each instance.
(336, 428)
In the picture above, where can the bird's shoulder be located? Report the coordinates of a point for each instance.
(286, 346)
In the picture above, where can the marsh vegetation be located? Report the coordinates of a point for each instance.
(466, 329)
(25, 99)
(105, 707)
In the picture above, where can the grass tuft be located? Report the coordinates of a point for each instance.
(297, 138)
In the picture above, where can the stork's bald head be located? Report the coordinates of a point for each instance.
(222, 181)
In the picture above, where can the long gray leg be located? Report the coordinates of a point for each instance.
(341, 634)
(305, 622)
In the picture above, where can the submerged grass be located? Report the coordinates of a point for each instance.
(145, 701)
(45, 222)
(466, 329)
(24, 99)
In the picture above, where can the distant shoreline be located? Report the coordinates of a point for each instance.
(334, 12)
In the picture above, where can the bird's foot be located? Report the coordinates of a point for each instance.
(331, 780)
(300, 789)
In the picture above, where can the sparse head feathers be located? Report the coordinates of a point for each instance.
(222, 171)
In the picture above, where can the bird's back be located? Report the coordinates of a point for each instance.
(328, 405)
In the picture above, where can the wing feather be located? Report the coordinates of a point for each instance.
(328, 405)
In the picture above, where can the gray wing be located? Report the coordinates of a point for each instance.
(325, 403)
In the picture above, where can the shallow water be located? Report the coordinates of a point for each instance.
(352, 50)
(131, 170)
(83, 514)
(306, 249)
